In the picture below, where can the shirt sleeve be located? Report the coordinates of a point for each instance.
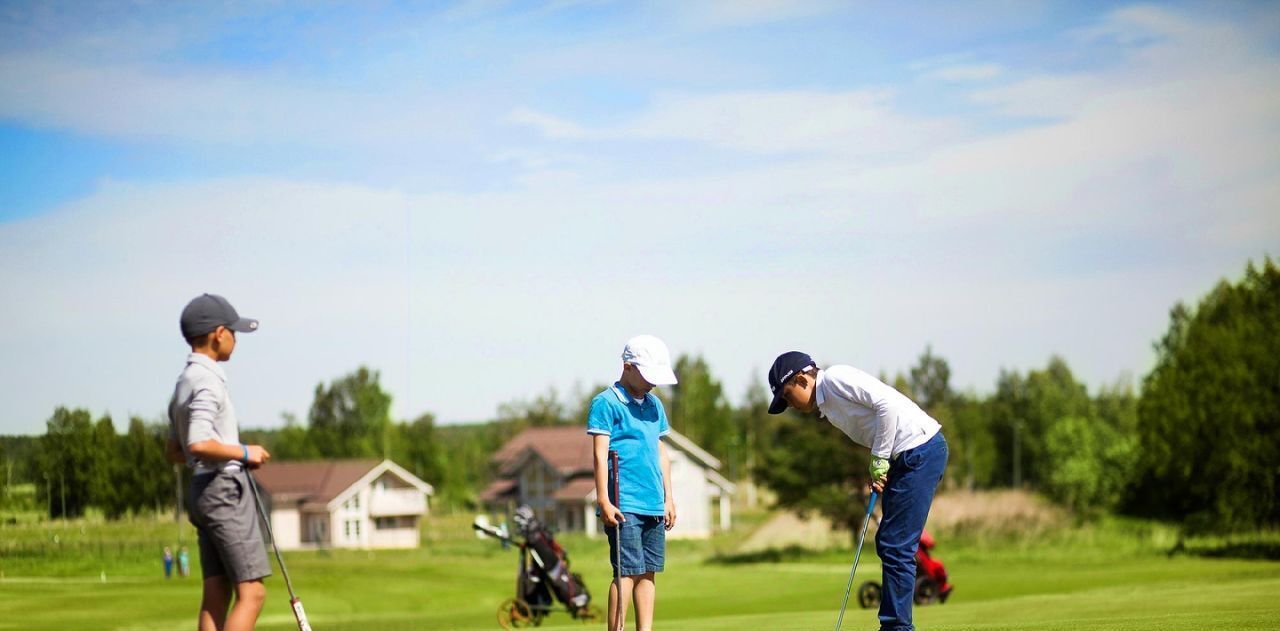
(201, 413)
(599, 419)
(867, 392)
(664, 426)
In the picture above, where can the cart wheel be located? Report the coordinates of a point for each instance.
(926, 591)
(869, 595)
(590, 613)
(514, 613)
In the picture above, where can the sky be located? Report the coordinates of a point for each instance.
(483, 200)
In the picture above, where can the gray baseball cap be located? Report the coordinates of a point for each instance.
(207, 312)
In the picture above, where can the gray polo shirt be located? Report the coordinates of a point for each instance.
(201, 410)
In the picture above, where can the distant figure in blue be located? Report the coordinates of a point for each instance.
(168, 562)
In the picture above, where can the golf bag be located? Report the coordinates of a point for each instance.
(542, 576)
(550, 561)
(932, 585)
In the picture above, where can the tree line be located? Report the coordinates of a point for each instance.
(1196, 441)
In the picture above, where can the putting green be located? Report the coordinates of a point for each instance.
(460, 588)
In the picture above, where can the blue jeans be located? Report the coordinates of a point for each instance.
(913, 478)
(644, 542)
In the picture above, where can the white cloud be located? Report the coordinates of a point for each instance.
(854, 124)
(731, 13)
(967, 72)
(1140, 183)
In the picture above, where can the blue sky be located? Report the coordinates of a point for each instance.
(485, 199)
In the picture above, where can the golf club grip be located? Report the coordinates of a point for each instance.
(299, 614)
(871, 505)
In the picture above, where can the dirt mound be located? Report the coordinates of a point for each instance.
(1005, 510)
(987, 511)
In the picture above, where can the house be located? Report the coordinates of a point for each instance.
(343, 503)
(550, 470)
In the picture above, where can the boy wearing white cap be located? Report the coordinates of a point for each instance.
(629, 419)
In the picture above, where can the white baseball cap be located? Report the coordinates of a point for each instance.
(648, 354)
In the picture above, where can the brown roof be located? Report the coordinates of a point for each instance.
(314, 482)
(568, 449)
(498, 489)
(576, 489)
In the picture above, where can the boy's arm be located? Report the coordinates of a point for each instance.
(669, 505)
(212, 450)
(600, 449)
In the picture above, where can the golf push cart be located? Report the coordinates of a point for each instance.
(931, 579)
(542, 576)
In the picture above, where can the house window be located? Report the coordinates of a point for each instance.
(355, 502)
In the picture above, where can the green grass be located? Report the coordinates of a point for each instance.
(1114, 575)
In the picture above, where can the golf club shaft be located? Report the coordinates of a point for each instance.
(266, 520)
(620, 610)
(856, 555)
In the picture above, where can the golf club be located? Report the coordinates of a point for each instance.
(861, 538)
(294, 602)
(621, 609)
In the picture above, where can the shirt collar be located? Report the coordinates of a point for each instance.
(820, 383)
(203, 360)
(625, 397)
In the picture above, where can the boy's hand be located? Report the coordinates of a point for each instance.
(879, 474)
(258, 456)
(670, 518)
(611, 515)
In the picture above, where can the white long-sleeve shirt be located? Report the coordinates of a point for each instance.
(871, 412)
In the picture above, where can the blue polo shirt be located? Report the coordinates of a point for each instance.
(633, 429)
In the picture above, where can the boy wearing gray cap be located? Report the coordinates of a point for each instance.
(205, 434)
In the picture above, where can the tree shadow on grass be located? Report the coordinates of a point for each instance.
(1257, 550)
(770, 555)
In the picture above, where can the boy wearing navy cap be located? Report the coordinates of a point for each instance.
(908, 455)
(205, 434)
(629, 419)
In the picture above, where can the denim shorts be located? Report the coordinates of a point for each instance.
(644, 542)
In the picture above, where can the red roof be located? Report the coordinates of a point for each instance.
(311, 481)
(568, 449)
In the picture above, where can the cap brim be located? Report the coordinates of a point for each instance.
(658, 376)
(244, 325)
(778, 406)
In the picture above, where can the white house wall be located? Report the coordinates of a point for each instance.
(354, 511)
(693, 497)
(287, 528)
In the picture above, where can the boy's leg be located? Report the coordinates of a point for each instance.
(213, 605)
(913, 478)
(645, 595)
(628, 587)
(232, 548)
(249, 598)
(628, 538)
(653, 539)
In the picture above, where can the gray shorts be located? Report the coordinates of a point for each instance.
(221, 507)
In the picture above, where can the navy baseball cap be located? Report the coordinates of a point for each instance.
(785, 367)
(207, 312)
